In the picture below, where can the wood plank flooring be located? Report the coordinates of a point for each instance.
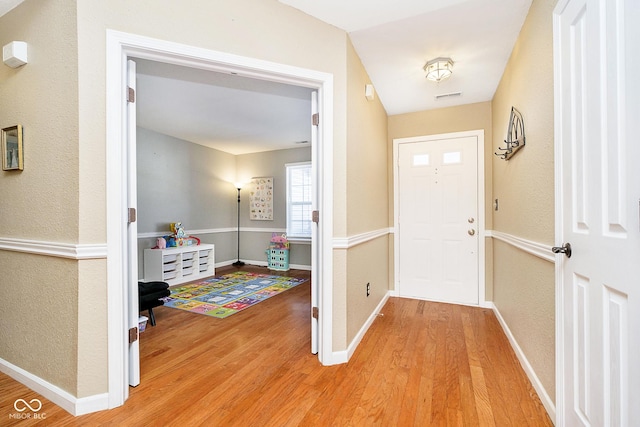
(420, 364)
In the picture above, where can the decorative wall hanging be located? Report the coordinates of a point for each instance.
(12, 157)
(261, 199)
(515, 136)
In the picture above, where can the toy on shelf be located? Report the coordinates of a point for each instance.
(177, 238)
(279, 241)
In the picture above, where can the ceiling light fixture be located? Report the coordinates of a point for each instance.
(438, 69)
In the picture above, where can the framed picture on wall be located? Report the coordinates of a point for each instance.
(12, 157)
(261, 199)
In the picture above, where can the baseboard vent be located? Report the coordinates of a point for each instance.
(448, 95)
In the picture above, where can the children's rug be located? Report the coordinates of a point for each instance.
(222, 296)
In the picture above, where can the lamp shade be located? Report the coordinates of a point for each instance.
(438, 69)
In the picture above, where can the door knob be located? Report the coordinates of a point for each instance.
(471, 220)
(564, 249)
(471, 232)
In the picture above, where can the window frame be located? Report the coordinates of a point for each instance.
(288, 168)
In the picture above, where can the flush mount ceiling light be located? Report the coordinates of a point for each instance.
(438, 69)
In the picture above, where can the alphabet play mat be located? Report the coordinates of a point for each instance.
(222, 296)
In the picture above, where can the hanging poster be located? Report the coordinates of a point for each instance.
(261, 199)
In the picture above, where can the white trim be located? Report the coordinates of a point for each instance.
(264, 264)
(540, 250)
(153, 234)
(345, 355)
(547, 402)
(479, 134)
(74, 405)
(54, 249)
(119, 46)
(559, 111)
(294, 240)
(358, 239)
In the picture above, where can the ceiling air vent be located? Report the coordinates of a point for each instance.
(448, 95)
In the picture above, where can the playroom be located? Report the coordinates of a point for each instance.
(223, 188)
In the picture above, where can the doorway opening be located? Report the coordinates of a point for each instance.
(120, 47)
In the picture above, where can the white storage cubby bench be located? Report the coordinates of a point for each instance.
(180, 264)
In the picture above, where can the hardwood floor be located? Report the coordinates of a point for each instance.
(420, 364)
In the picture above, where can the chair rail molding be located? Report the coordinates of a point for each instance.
(358, 239)
(541, 250)
(55, 249)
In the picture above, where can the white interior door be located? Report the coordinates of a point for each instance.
(132, 232)
(315, 253)
(438, 220)
(596, 45)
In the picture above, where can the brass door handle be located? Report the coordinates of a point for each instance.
(471, 232)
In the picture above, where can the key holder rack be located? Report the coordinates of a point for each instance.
(515, 136)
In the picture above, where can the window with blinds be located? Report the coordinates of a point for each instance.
(299, 199)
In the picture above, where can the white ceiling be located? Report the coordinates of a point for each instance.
(7, 5)
(228, 112)
(394, 40)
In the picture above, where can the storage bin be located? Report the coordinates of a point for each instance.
(278, 259)
(169, 275)
(169, 258)
(187, 271)
(187, 263)
(187, 255)
(169, 267)
(142, 323)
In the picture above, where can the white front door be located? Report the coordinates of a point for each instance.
(596, 51)
(438, 220)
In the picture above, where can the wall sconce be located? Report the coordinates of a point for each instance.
(438, 69)
(14, 54)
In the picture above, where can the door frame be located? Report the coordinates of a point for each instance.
(479, 134)
(119, 47)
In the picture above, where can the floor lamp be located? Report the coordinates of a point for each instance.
(238, 263)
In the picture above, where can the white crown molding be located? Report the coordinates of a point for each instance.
(540, 250)
(55, 249)
(358, 239)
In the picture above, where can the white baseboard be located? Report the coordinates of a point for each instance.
(74, 405)
(548, 403)
(345, 355)
(262, 264)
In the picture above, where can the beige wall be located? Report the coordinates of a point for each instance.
(60, 99)
(39, 311)
(367, 190)
(523, 284)
(447, 120)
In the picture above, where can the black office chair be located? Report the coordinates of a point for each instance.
(149, 294)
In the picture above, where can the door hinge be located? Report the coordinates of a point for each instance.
(131, 215)
(315, 119)
(131, 94)
(133, 335)
(314, 312)
(315, 216)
